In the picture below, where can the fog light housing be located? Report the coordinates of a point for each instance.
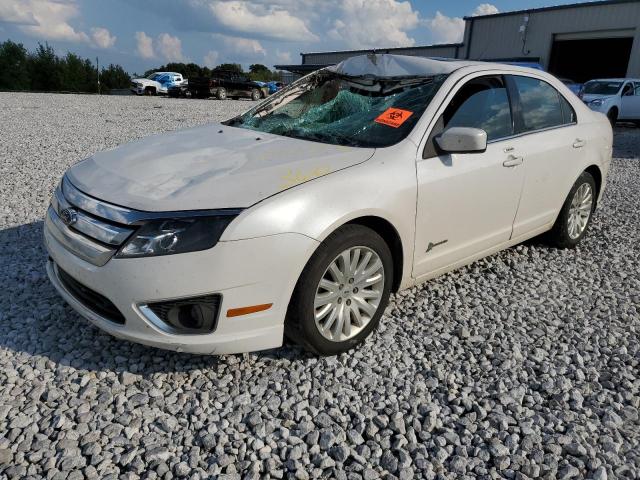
(195, 315)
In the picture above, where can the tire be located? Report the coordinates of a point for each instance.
(149, 91)
(221, 94)
(612, 115)
(563, 235)
(255, 94)
(300, 322)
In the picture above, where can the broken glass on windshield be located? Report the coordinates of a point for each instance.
(354, 111)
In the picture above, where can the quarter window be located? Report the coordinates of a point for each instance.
(541, 105)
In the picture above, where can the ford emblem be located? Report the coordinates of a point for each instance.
(69, 216)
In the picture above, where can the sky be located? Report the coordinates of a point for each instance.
(142, 34)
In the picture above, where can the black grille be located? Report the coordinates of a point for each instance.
(90, 299)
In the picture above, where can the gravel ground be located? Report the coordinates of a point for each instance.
(522, 365)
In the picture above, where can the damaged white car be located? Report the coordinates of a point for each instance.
(301, 216)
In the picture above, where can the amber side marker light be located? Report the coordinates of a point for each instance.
(236, 312)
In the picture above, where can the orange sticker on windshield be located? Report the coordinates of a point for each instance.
(393, 117)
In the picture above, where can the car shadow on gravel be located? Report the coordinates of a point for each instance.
(35, 320)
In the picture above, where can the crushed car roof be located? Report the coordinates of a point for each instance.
(390, 66)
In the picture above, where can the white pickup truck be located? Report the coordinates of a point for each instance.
(157, 83)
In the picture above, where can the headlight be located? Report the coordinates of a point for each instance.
(597, 103)
(169, 236)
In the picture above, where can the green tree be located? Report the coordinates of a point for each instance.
(14, 71)
(260, 72)
(45, 69)
(113, 77)
(228, 67)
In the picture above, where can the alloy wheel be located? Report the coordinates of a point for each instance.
(580, 210)
(349, 293)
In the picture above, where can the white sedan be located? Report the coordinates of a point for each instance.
(617, 98)
(302, 215)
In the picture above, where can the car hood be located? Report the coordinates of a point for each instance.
(209, 167)
(594, 96)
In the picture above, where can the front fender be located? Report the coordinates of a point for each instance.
(384, 186)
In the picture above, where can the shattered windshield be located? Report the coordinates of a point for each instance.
(354, 111)
(601, 88)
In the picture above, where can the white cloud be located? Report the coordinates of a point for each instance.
(243, 48)
(44, 19)
(374, 23)
(451, 29)
(283, 57)
(102, 37)
(16, 12)
(170, 48)
(271, 22)
(210, 59)
(485, 9)
(144, 45)
(446, 29)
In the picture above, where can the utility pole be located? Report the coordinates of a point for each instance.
(98, 72)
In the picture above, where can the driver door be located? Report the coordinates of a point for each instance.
(467, 202)
(630, 102)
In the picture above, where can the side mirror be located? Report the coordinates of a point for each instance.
(462, 140)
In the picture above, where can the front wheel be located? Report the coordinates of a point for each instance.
(342, 292)
(255, 94)
(221, 94)
(612, 115)
(575, 216)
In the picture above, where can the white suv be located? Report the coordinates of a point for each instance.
(617, 98)
(157, 83)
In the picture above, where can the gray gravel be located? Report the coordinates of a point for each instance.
(522, 365)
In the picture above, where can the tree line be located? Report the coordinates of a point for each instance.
(43, 70)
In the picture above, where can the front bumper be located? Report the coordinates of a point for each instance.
(244, 272)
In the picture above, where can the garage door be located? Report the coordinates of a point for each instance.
(589, 58)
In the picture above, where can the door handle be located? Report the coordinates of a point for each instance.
(513, 161)
(578, 143)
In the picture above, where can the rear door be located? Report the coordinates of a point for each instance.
(630, 102)
(467, 202)
(551, 141)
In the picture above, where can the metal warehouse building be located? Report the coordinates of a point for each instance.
(580, 41)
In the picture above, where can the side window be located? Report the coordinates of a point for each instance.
(540, 104)
(481, 103)
(627, 90)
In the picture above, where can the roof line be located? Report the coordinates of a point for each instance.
(589, 3)
(382, 49)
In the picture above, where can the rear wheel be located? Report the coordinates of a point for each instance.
(255, 94)
(575, 216)
(342, 292)
(612, 115)
(221, 94)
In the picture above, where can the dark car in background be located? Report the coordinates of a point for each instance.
(179, 91)
(227, 84)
